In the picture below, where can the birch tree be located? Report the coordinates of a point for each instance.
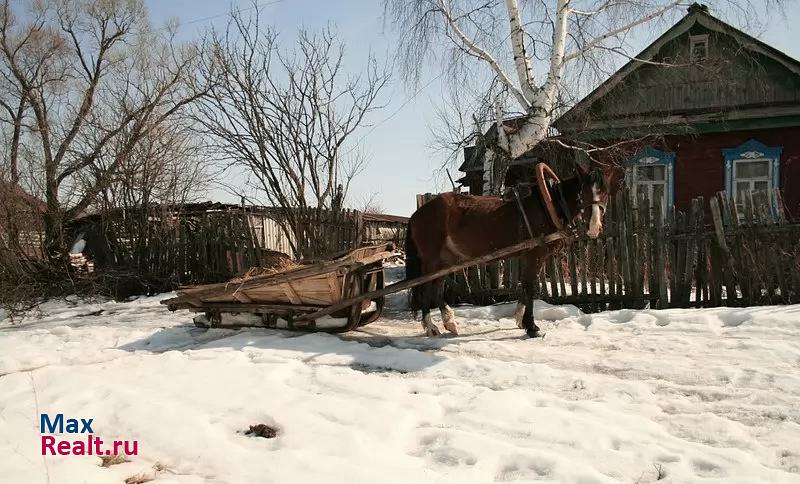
(515, 56)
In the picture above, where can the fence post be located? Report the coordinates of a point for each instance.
(728, 271)
(359, 223)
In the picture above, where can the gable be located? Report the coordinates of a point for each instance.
(740, 77)
(730, 77)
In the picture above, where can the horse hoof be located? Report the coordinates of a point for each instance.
(451, 328)
(534, 333)
(432, 331)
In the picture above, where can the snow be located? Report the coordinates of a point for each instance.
(707, 395)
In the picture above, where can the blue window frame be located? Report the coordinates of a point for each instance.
(751, 165)
(651, 171)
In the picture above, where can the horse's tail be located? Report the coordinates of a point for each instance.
(413, 269)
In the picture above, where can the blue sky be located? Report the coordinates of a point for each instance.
(401, 163)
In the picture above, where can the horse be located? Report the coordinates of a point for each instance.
(454, 227)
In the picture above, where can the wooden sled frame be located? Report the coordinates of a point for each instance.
(347, 276)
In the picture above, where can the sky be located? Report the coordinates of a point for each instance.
(397, 138)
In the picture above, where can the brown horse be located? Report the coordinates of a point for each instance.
(453, 228)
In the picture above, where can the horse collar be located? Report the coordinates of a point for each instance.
(541, 170)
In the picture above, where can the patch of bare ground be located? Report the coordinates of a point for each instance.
(262, 430)
(112, 460)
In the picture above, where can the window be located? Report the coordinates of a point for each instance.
(649, 173)
(698, 47)
(751, 166)
(749, 175)
(652, 182)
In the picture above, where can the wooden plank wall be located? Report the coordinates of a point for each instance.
(714, 254)
(377, 232)
(269, 233)
(321, 233)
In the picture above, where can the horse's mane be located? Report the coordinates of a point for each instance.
(596, 178)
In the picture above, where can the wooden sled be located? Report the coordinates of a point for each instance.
(281, 299)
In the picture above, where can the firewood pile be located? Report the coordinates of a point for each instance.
(80, 263)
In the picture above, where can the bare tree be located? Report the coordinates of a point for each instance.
(167, 166)
(371, 203)
(286, 117)
(96, 80)
(529, 59)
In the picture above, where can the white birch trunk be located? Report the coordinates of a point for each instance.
(534, 129)
(521, 61)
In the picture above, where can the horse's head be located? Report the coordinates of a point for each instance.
(594, 190)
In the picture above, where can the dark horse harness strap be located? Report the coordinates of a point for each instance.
(522, 211)
(562, 204)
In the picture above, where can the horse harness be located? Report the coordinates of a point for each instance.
(541, 170)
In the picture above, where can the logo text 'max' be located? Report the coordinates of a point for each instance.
(59, 425)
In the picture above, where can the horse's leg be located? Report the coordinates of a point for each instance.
(528, 323)
(522, 304)
(519, 313)
(533, 264)
(448, 316)
(426, 292)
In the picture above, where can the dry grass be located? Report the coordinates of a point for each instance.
(140, 478)
(273, 262)
(112, 460)
(283, 266)
(661, 473)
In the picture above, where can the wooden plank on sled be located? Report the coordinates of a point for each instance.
(409, 283)
(282, 277)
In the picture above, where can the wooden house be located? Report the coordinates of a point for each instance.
(704, 108)
(381, 227)
(21, 221)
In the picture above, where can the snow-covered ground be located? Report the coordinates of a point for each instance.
(701, 395)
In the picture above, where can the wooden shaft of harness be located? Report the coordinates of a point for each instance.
(408, 283)
(543, 170)
(522, 211)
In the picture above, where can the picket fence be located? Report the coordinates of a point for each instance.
(715, 254)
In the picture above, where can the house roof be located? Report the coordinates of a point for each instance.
(12, 192)
(697, 15)
(384, 217)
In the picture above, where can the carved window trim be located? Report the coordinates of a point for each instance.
(752, 150)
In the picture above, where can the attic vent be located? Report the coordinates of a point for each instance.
(698, 47)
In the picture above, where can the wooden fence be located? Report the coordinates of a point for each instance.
(185, 247)
(320, 233)
(210, 242)
(715, 254)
